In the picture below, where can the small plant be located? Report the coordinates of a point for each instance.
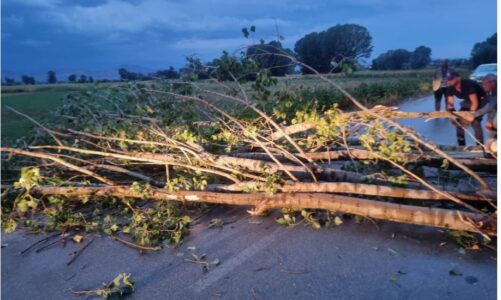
(202, 260)
(119, 287)
(216, 223)
(288, 217)
(464, 239)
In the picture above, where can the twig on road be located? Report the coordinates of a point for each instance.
(80, 252)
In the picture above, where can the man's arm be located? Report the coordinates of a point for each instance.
(489, 108)
(450, 102)
(474, 102)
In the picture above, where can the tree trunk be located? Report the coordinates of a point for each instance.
(354, 188)
(436, 217)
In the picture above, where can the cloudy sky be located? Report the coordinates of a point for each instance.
(96, 35)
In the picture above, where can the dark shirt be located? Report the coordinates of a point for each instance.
(468, 87)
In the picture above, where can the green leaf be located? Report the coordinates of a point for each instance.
(316, 225)
(116, 281)
(338, 221)
(22, 206)
(445, 164)
(30, 177)
(9, 225)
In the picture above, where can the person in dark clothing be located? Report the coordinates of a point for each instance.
(439, 84)
(489, 83)
(473, 98)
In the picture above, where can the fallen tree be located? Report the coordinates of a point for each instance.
(181, 142)
(437, 217)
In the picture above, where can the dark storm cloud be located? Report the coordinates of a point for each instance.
(102, 34)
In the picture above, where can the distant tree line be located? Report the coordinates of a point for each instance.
(453, 63)
(126, 75)
(28, 79)
(401, 59)
(338, 48)
(51, 77)
(485, 52)
(82, 79)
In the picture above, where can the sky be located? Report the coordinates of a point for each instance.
(98, 36)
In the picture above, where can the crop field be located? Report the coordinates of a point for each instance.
(37, 101)
(35, 104)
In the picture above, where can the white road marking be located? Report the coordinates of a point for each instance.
(228, 266)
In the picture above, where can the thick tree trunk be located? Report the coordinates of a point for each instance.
(355, 189)
(436, 217)
(473, 160)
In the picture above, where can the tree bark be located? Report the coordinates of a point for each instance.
(356, 189)
(436, 217)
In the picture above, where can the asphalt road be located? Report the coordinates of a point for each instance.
(260, 259)
(439, 131)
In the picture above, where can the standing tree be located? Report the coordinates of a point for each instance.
(10, 81)
(72, 78)
(128, 76)
(28, 79)
(421, 57)
(25, 79)
(51, 77)
(392, 60)
(231, 68)
(83, 79)
(309, 51)
(170, 73)
(330, 47)
(91, 80)
(402, 59)
(124, 74)
(195, 69)
(271, 56)
(485, 52)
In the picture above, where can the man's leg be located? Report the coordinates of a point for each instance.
(460, 135)
(477, 129)
(460, 131)
(438, 97)
(444, 93)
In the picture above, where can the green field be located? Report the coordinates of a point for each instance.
(39, 101)
(35, 104)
